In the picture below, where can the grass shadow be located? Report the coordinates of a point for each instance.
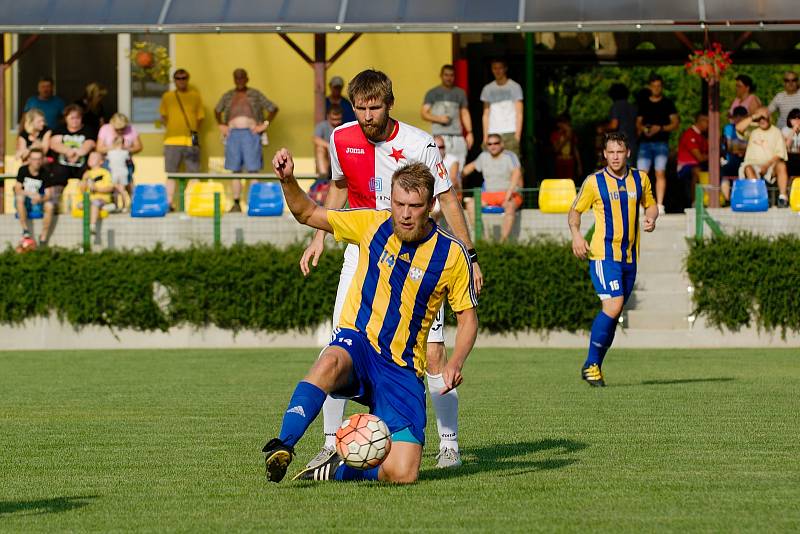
(510, 459)
(684, 381)
(44, 506)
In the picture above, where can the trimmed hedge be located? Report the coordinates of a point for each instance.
(747, 278)
(539, 286)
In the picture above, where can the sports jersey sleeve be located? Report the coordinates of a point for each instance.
(336, 168)
(585, 199)
(647, 191)
(430, 156)
(461, 290)
(353, 225)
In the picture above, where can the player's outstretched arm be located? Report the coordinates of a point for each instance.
(303, 208)
(337, 196)
(466, 332)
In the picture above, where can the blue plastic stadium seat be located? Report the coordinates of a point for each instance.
(149, 200)
(493, 209)
(265, 200)
(35, 213)
(749, 195)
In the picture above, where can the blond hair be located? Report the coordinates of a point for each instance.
(371, 85)
(415, 177)
(29, 117)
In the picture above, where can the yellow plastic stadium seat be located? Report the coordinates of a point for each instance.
(199, 198)
(556, 195)
(70, 196)
(702, 178)
(794, 196)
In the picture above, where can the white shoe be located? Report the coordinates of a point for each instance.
(661, 210)
(322, 456)
(448, 458)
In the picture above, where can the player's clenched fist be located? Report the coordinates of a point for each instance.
(283, 164)
(580, 247)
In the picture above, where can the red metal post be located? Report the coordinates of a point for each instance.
(713, 141)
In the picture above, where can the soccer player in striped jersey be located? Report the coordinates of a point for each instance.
(407, 266)
(614, 194)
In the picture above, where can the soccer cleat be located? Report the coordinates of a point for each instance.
(325, 471)
(277, 458)
(322, 456)
(593, 375)
(448, 458)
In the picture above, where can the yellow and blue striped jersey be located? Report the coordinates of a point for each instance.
(399, 287)
(615, 203)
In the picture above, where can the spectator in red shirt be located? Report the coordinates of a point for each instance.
(693, 152)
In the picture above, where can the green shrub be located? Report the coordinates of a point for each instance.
(746, 278)
(539, 286)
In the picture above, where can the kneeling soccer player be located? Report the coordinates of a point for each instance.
(407, 266)
(614, 194)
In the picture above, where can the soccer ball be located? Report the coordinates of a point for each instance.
(26, 244)
(363, 441)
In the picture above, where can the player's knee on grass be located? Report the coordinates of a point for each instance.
(332, 370)
(436, 357)
(402, 464)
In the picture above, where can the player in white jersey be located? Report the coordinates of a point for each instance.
(364, 155)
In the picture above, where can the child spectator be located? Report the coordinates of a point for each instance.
(734, 145)
(98, 182)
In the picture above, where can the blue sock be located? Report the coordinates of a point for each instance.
(603, 329)
(305, 404)
(345, 472)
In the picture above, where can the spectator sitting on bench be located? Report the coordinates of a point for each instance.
(734, 146)
(766, 153)
(502, 175)
(98, 182)
(791, 132)
(34, 188)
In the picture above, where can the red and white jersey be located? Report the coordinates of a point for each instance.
(368, 167)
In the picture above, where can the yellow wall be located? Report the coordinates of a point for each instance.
(411, 60)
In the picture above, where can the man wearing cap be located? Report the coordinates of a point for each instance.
(336, 84)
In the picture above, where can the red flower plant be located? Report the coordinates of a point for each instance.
(709, 63)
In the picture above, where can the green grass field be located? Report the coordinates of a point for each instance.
(170, 440)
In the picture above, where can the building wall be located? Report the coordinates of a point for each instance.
(411, 60)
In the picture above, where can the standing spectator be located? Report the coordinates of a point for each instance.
(786, 100)
(791, 132)
(766, 152)
(693, 152)
(502, 108)
(72, 142)
(118, 141)
(734, 146)
(656, 119)
(181, 113)
(34, 188)
(322, 138)
(745, 95)
(446, 108)
(33, 133)
(564, 143)
(94, 114)
(240, 114)
(622, 117)
(502, 176)
(335, 98)
(450, 162)
(45, 100)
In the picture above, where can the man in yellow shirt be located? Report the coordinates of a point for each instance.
(181, 113)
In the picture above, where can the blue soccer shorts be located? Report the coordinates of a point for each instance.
(393, 393)
(612, 278)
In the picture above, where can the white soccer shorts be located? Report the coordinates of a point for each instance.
(436, 334)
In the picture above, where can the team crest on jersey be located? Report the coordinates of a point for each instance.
(415, 274)
(375, 184)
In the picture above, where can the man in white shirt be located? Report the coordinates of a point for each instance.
(786, 100)
(502, 108)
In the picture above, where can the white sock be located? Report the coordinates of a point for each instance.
(446, 408)
(332, 415)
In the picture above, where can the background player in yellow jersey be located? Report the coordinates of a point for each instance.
(407, 266)
(614, 194)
